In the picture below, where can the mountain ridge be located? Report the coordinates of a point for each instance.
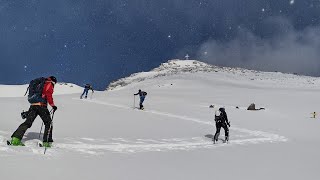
(177, 66)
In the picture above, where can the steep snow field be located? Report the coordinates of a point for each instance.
(106, 138)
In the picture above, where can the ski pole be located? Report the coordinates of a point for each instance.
(45, 148)
(42, 126)
(40, 130)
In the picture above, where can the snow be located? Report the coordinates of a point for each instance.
(106, 138)
(20, 90)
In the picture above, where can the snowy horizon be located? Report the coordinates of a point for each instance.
(104, 136)
(91, 41)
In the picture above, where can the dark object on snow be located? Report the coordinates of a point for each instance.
(211, 106)
(252, 107)
(237, 107)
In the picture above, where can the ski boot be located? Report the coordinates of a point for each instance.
(16, 142)
(226, 140)
(47, 144)
(215, 140)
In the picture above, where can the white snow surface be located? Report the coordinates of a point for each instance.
(104, 137)
(20, 90)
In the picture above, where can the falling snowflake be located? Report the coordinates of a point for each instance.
(291, 2)
(262, 10)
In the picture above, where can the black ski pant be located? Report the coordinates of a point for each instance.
(218, 127)
(33, 112)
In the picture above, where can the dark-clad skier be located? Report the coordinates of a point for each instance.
(221, 120)
(142, 95)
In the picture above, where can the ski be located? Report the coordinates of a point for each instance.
(40, 144)
(9, 144)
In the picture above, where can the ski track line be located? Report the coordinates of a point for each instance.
(271, 136)
(274, 137)
(120, 145)
(135, 148)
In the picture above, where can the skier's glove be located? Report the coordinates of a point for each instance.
(54, 108)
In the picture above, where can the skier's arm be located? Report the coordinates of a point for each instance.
(226, 119)
(136, 94)
(48, 91)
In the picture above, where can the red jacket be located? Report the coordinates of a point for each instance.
(48, 91)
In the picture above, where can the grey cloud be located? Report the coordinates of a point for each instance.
(286, 50)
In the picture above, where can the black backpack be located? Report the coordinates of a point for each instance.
(218, 116)
(144, 93)
(35, 90)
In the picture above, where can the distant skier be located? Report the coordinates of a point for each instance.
(87, 87)
(221, 120)
(142, 95)
(40, 94)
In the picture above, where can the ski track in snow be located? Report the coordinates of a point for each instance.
(120, 145)
(142, 145)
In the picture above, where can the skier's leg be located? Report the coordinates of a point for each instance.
(226, 132)
(82, 94)
(216, 135)
(141, 102)
(27, 124)
(46, 118)
(87, 90)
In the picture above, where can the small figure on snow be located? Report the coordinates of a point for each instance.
(40, 94)
(87, 87)
(142, 95)
(221, 120)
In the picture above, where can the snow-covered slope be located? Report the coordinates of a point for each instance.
(193, 66)
(19, 90)
(106, 138)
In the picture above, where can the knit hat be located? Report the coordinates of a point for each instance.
(54, 79)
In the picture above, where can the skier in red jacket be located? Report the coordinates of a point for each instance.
(38, 106)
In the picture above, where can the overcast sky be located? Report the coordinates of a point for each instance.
(97, 41)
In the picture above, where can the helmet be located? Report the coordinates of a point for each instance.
(222, 109)
(54, 79)
(139, 90)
